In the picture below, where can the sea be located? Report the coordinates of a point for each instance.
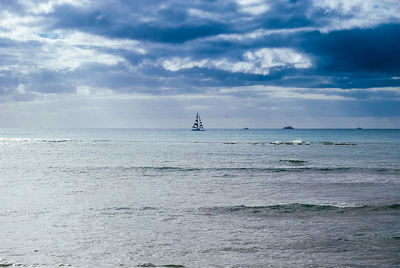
(218, 198)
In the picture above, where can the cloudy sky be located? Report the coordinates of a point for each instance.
(239, 63)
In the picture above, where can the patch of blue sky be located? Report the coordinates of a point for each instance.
(50, 35)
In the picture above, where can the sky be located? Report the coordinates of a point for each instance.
(239, 63)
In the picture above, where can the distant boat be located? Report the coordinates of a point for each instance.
(359, 128)
(246, 128)
(288, 127)
(197, 126)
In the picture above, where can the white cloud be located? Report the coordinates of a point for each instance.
(253, 93)
(60, 51)
(311, 93)
(94, 91)
(71, 51)
(90, 40)
(203, 14)
(267, 58)
(48, 6)
(359, 13)
(307, 96)
(64, 58)
(254, 62)
(395, 90)
(57, 56)
(253, 7)
(285, 92)
(31, 28)
(21, 89)
(259, 33)
(18, 28)
(175, 64)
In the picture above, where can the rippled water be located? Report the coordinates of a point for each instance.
(220, 198)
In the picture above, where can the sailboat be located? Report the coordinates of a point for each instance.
(197, 126)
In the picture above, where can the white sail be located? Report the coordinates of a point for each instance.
(198, 125)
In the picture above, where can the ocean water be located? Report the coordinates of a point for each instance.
(219, 198)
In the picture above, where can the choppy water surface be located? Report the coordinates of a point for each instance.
(220, 198)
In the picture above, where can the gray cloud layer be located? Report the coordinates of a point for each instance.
(249, 56)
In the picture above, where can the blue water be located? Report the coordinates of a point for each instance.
(219, 198)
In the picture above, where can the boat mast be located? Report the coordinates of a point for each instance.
(200, 123)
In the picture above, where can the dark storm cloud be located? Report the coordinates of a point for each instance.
(170, 25)
(169, 35)
(357, 50)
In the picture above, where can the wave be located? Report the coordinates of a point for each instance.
(8, 139)
(293, 161)
(61, 140)
(163, 169)
(282, 169)
(296, 208)
(271, 169)
(296, 168)
(127, 210)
